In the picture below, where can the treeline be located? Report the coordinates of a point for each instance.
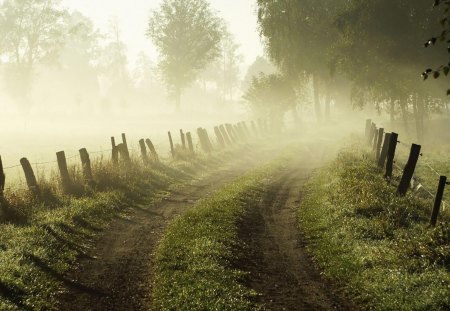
(48, 48)
(372, 50)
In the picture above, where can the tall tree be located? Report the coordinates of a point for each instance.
(32, 32)
(299, 36)
(187, 34)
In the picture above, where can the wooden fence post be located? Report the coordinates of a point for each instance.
(379, 143)
(384, 150)
(203, 142)
(172, 150)
(115, 152)
(143, 151)
(208, 141)
(29, 175)
(190, 143)
(2, 178)
(64, 172)
(183, 139)
(408, 172)
(219, 136)
(86, 165)
(152, 149)
(391, 155)
(375, 140)
(230, 133)
(224, 134)
(438, 200)
(126, 152)
(368, 128)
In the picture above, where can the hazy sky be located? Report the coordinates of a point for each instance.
(133, 16)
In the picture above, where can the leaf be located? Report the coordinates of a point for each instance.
(448, 92)
(424, 76)
(436, 74)
(446, 70)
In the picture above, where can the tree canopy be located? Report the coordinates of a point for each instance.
(187, 34)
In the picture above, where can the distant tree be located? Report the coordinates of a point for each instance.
(187, 34)
(270, 96)
(113, 64)
(32, 32)
(260, 65)
(225, 70)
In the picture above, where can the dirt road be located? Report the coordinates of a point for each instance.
(116, 274)
(280, 268)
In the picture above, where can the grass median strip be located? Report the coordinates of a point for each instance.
(195, 260)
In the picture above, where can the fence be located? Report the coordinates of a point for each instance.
(226, 135)
(384, 147)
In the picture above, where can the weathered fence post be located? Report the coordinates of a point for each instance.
(438, 200)
(208, 141)
(229, 129)
(172, 150)
(375, 140)
(391, 155)
(86, 165)
(408, 172)
(224, 134)
(368, 128)
(384, 150)
(29, 175)
(2, 178)
(64, 172)
(219, 136)
(152, 149)
(143, 151)
(203, 142)
(379, 143)
(115, 152)
(183, 139)
(190, 143)
(126, 152)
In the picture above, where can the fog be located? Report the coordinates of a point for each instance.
(73, 73)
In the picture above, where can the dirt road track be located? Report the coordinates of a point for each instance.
(116, 274)
(280, 268)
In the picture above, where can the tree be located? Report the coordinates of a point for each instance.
(187, 34)
(270, 96)
(32, 32)
(444, 36)
(299, 36)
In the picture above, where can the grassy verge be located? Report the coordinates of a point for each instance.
(376, 245)
(43, 235)
(195, 260)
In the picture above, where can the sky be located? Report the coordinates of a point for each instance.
(133, 17)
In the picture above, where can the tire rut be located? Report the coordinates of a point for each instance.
(281, 270)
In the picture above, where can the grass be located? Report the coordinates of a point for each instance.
(44, 234)
(376, 245)
(196, 259)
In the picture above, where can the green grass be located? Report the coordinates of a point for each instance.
(196, 259)
(43, 235)
(374, 244)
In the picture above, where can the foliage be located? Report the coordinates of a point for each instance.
(187, 34)
(270, 96)
(443, 37)
(372, 242)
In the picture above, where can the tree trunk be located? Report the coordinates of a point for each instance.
(403, 104)
(317, 97)
(392, 111)
(418, 117)
(327, 104)
(178, 100)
